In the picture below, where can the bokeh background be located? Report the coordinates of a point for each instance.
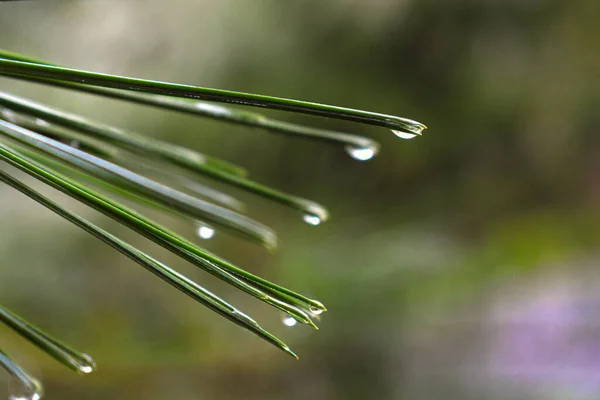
(463, 264)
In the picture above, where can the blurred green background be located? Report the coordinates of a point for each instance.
(460, 265)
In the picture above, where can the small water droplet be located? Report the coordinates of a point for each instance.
(361, 153)
(86, 369)
(19, 390)
(311, 219)
(87, 364)
(315, 311)
(41, 122)
(205, 232)
(74, 144)
(404, 135)
(288, 320)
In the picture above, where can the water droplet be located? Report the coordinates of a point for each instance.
(288, 320)
(205, 232)
(19, 389)
(41, 122)
(311, 219)
(86, 369)
(404, 135)
(315, 311)
(74, 144)
(87, 364)
(361, 153)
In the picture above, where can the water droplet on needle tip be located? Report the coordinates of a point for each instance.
(361, 153)
(19, 390)
(311, 219)
(404, 135)
(87, 364)
(315, 311)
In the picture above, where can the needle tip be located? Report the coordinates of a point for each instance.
(290, 352)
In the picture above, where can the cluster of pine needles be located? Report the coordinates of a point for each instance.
(87, 159)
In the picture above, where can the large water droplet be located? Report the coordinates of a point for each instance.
(315, 311)
(361, 153)
(87, 364)
(18, 389)
(288, 320)
(404, 135)
(205, 232)
(311, 219)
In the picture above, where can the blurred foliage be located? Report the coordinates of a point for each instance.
(495, 207)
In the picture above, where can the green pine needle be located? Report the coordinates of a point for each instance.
(24, 386)
(43, 71)
(177, 155)
(138, 143)
(155, 232)
(80, 362)
(166, 196)
(68, 152)
(208, 110)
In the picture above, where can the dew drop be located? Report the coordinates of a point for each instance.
(74, 144)
(315, 311)
(404, 135)
(86, 364)
(205, 232)
(86, 369)
(288, 320)
(360, 153)
(18, 389)
(311, 219)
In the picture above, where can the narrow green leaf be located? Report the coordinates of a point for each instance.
(178, 179)
(67, 136)
(168, 197)
(125, 159)
(132, 141)
(209, 110)
(178, 155)
(170, 276)
(25, 69)
(247, 287)
(57, 167)
(27, 387)
(145, 227)
(78, 362)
